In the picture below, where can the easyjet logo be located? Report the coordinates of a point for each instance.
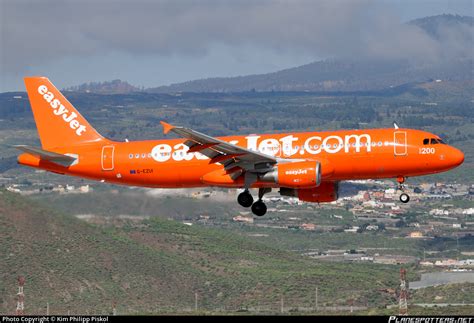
(296, 172)
(61, 111)
(287, 146)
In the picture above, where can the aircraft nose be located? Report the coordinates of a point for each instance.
(456, 156)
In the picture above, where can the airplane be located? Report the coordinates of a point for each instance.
(306, 165)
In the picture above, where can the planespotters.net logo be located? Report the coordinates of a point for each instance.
(60, 110)
(405, 319)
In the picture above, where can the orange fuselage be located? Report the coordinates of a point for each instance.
(351, 154)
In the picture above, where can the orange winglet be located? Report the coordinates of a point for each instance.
(166, 127)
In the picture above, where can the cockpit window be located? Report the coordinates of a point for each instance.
(433, 141)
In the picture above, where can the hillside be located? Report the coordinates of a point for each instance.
(157, 265)
(332, 75)
(434, 25)
(452, 34)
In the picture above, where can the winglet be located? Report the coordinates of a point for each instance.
(166, 127)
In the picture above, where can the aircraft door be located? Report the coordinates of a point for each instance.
(108, 157)
(400, 143)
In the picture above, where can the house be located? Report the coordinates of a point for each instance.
(467, 262)
(308, 226)
(416, 234)
(426, 263)
(372, 227)
(446, 262)
(244, 219)
(353, 229)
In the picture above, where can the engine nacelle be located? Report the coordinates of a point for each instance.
(301, 174)
(326, 192)
(296, 175)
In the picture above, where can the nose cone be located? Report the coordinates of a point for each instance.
(456, 157)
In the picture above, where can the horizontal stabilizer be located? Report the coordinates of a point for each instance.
(60, 159)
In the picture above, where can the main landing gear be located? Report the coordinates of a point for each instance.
(246, 200)
(404, 197)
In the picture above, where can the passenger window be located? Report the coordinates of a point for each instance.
(426, 141)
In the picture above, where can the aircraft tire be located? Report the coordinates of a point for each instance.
(259, 208)
(404, 198)
(245, 199)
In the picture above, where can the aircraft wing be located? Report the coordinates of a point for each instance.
(222, 152)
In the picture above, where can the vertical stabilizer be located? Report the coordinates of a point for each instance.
(59, 123)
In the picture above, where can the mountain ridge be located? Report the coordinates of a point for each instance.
(355, 74)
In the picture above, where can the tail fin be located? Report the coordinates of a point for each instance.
(59, 123)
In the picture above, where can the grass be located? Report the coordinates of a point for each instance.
(159, 264)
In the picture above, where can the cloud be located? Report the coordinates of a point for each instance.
(39, 32)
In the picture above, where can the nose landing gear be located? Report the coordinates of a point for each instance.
(404, 197)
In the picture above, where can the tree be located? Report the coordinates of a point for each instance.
(401, 224)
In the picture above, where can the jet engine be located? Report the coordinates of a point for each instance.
(301, 174)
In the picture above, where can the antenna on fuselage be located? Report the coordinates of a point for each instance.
(395, 125)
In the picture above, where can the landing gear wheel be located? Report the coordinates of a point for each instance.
(404, 198)
(259, 208)
(245, 199)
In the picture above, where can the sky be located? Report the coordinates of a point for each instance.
(153, 43)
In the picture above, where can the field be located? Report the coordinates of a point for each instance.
(155, 265)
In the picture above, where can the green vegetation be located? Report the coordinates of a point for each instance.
(157, 265)
(272, 230)
(452, 293)
(136, 116)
